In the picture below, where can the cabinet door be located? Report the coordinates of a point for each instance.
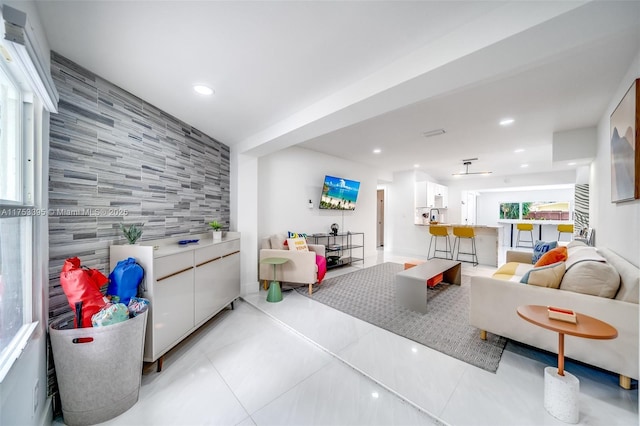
(172, 307)
(207, 275)
(227, 287)
(445, 197)
(431, 194)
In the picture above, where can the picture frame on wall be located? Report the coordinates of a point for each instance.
(625, 146)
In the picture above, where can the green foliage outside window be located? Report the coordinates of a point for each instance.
(509, 210)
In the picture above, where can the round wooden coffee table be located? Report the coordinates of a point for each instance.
(561, 390)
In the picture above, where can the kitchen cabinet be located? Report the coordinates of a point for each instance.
(186, 285)
(431, 195)
(441, 196)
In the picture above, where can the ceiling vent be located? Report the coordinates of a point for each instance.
(435, 132)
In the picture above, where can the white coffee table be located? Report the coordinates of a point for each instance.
(411, 284)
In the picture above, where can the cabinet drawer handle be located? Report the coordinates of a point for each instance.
(231, 254)
(175, 273)
(208, 261)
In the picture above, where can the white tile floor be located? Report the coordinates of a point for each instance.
(300, 362)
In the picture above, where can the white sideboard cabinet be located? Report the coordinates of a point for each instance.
(186, 285)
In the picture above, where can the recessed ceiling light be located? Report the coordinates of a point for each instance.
(506, 121)
(519, 150)
(203, 90)
(524, 166)
(416, 165)
(377, 151)
(572, 164)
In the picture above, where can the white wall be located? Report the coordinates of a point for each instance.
(244, 216)
(617, 226)
(403, 237)
(288, 179)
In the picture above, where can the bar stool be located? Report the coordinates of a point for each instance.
(526, 227)
(436, 232)
(565, 229)
(468, 233)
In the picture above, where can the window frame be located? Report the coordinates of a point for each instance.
(23, 207)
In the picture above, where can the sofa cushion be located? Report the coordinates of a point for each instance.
(512, 271)
(629, 276)
(277, 241)
(298, 244)
(558, 254)
(545, 276)
(576, 243)
(593, 277)
(540, 248)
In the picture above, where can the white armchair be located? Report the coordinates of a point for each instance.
(301, 267)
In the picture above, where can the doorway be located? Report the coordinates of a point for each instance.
(380, 219)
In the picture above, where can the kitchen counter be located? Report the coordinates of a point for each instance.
(451, 225)
(488, 240)
(546, 228)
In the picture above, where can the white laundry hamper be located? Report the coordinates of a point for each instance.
(99, 369)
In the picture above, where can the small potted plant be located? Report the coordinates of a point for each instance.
(217, 233)
(132, 233)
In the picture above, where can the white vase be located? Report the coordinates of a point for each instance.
(217, 235)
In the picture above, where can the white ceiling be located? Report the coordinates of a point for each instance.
(347, 77)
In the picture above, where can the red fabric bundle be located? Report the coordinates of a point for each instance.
(82, 285)
(321, 262)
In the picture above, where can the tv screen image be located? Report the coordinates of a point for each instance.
(339, 193)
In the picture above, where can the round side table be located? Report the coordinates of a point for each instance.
(561, 388)
(275, 293)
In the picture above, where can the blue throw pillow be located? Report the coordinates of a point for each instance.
(540, 248)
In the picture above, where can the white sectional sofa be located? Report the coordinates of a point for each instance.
(493, 304)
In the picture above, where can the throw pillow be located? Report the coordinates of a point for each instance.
(298, 244)
(540, 248)
(592, 277)
(277, 241)
(558, 254)
(296, 235)
(545, 276)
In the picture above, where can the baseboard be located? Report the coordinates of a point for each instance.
(46, 414)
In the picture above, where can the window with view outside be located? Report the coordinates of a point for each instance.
(15, 226)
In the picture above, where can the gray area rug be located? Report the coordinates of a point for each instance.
(369, 295)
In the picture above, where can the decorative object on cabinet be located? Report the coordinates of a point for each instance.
(132, 233)
(341, 248)
(334, 228)
(625, 145)
(217, 233)
(185, 285)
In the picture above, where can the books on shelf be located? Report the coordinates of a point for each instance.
(561, 314)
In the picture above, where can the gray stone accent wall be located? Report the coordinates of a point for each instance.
(115, 159)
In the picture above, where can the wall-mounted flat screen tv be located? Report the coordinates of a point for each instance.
(339, 193)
